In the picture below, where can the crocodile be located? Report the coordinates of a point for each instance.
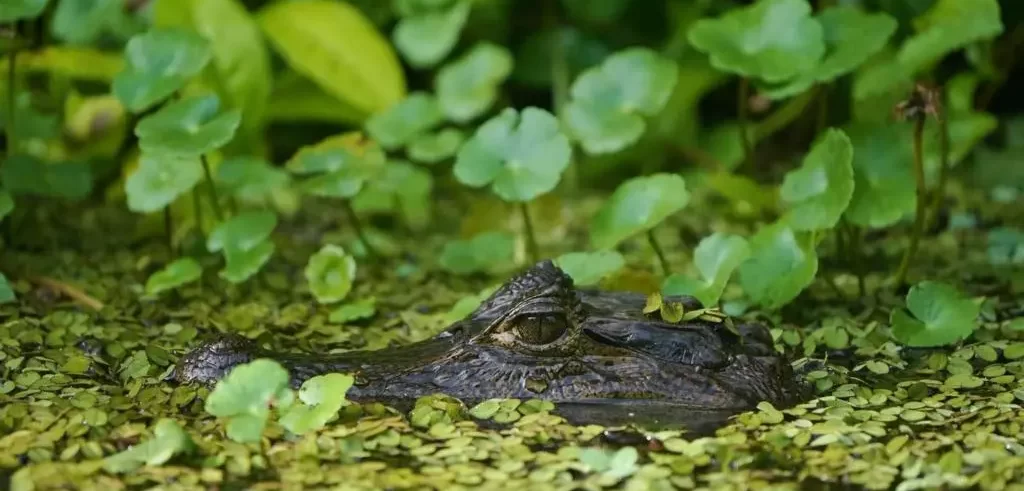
(540, 337)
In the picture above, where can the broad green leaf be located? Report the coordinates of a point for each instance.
(251, 180)
(782, 263)
(613, 463)
(240, 65)
(402, 188)
(330, 273)
(189, 127)
(246, 395)
(589, 268)
(337, 166)
(240, 265)
(169, 439)
(27, 175)
(716, 257)
(296, 98)
(884, 189)
(468, 86)
(160, 179)
(322, 396)
(179, 272)
(242, 232)
(74, 62)
(637, 206)
(487, 252)
(158, 63)
(335, 45)
(424, 39)
(851, 37)
(941, 316)
(520, 155)
(6, 204)
(13, 10)
(354, 311)
(773, 40)
(84, 21)
(431, 148)
(820, 190)
(1006, 246)
(32, 124)
(948, 26)
(401, 123)
(6, 292)
(609, 101)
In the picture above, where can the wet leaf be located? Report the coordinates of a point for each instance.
(330, 273)
(610, 101)
(468, 86)
(242, 264)
(158, 63)
(782, 263)
(322, 396)
(242, 232)
(354, 311)
(716, 258)
(13, 10)
(27, 175)
(245, 395)
(589, 268)
(160, 179)
(637, 206)
(774, 40)
(251, 180)
(169, 439)
(521, 155)
(820, 190)
(941, 316)
(404, 121)
(189, 127)
(883, 191)
(6, 292)
(485, 252)
(179, 272)
(431, 148)
(427, 35)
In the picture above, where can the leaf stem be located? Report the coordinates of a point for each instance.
(197, 204)
(358, 227)
(169, 230)
(940, 189)
(742, 99)
(665, 269)
(531, 239)
(921, 210)
(217, 212)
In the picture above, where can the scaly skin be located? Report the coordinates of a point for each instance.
(539, 337)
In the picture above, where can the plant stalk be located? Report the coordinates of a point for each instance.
(354, 219)
(12, 95)
(921, 208)
(217, 212)
(742, 99)
(665, 269)
(531, 239)
(940, 188)
(197, 204)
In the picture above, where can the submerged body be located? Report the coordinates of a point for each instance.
(539, 337)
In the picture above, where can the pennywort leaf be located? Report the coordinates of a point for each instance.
(169, 439)
(6, 292)
(589, 268)
(250, 180)
(179, 272)
(883, 191)
(484, 253)
(941, 316)
(468, 87)
(243, 264)
(158, 63)
(321, 396)
(428, 31)
(160, 179)
(820, 190)
(716, 257)
(330, 273)
(13, 10)
(399, 124)
(431, 148)
(245, 395)
(338, 166)
(782, 263)
(637, 206)
(190, 127)
(242, 232)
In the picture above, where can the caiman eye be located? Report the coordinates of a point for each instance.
(540, 328)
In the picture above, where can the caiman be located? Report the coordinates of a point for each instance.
(537, 336)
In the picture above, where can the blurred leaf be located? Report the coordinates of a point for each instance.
(244, 397)
(942, 316)
(613, 463)
(399, 124)
(609, 100)
(333, 44)
(98, 123)
(169, 439)
(431, 148)
(773, 40)
(78, 63)
(424, 39)
(820, 190)
(948, 26)
(589, 268)
(30, 122)
(6, 292)
(242, 264)
(595, 11)
(188, 127)
(160, 179)
(6, 204)
(330, 273)
(179, 272)
(637, 206)
(84, 21)
(533, 61)
(402, 187)
(296, 98)
(242, 232)
(339, 165)
(251, 180)
(521, 155)
(468, 86)
(484, 253)
(884, 188)
(716, 257)
(966, 131)
(782, 263)
(158, 63)
(322, 396)
(1006, 246)
(13, 10)
(27, 175)
(354, 311)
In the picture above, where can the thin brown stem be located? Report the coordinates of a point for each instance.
(217, 212)
(72, 292)
(742, 100)
(921, 208)
(358, 227)
(531, 239)
(940, 188)
(665, 269)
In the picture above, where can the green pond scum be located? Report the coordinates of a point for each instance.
(318, 177)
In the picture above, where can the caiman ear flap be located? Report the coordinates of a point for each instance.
(543, 276)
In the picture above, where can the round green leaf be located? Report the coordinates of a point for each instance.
(716, 257)
(246, 394)
(179, 272)
(23, 174)
(820, 190)
(403, 188)
(169, 439)
(250, 179)
(240, 265)
(431, 148)
(637, 206)
(589, 268)
(6, 292)
(948, 26)
(468, 87)
(484, 253)
(883, 191)
(242, 232)
(1006, 246)
(609, 100)
(521, 155)
(160, 179)
(322, 396)
(426, 38)
(773, 40)
(158, 63)
(339, 167)
(399, 124)
(354, 311)
(13, 10)
(190, 127)
(78, 22)
(941, 316)
(782, 263)
(330, 273)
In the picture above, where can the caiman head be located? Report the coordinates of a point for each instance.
(539, 337)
